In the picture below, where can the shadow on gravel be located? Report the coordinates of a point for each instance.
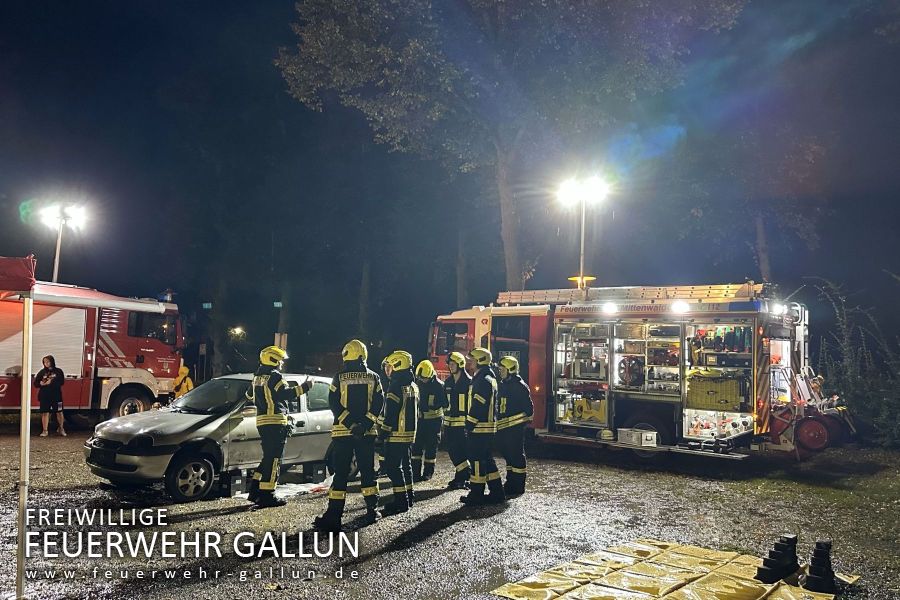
(212, 513)
(836, 468)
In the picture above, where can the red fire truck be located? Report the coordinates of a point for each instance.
(703, 369)
(118, 358)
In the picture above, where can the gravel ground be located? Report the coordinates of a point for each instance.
(578, 502)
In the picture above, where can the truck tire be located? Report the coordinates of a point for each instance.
(129, 398)
(650, 422)
(189, 477)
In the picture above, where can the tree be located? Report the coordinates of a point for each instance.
(481, 84)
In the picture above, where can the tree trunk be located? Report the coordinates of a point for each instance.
(508, 224)
(462, 291)
(762, 250)
(364, 296)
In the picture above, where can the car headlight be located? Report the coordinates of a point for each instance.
(140, 442)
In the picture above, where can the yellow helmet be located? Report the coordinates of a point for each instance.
(354, 350)
(272, 356)
(425, 369)
(481, 356)
(510, 363)
(399, 360)
(458, 358)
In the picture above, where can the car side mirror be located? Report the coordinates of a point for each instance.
(248, 411)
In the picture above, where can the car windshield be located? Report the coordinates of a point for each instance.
(216, 396)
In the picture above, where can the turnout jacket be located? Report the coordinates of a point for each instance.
(272, 395)
(400, 407)
(515, 406)
(457, 393)
(355, 398)
(432, 399)
(482, 417)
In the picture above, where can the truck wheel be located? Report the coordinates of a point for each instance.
(649, 422)
(837, 433)
(129, 399)
(189, 478)
(812, 434)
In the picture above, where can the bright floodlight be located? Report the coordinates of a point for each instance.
(680, 307)
(573, 191)
(54, 215)
(50, 216)
(76, 216)
(779, 309)
(610, 308)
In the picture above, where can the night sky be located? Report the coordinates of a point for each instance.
(127, 105)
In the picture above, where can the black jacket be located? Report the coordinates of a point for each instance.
(432, 399)
(49, 383)
(482, 417)
(400, 406)
(355, 398)
(272, 396)
(457, 399)
(515, 405)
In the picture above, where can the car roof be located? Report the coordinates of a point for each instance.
(290, 376)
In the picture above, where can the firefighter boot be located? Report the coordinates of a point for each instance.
(475, 496)
(371, 512)
(253, 492)
(268, 500)
(331, 520)
(417, 469)
(496, 495)
(515, 484)
(428, 471)
(409, 496)
(399, 504)
(461, 480)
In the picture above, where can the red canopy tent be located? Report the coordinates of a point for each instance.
(17, 278)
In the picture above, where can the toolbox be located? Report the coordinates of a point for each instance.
(233, 483)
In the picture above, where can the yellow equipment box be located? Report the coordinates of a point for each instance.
(708, 389)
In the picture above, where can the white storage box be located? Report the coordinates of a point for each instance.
(636, 437)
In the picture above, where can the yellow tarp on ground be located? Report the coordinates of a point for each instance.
(789, 592)
(648, 569)
(592, 591)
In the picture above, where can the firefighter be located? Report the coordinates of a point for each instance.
(183, 383)
(355, 398)
(515, 411)
(272, 395)
(398, 431)
(432, 402)
(481, 425)
(456, 389)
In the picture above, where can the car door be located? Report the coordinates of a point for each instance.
(293, 447)
(315, 435)
(244, 445)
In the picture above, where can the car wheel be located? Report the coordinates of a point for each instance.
(129, 399)
(189, 478)
(648, 422)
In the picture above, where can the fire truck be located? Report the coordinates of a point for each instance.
(707, 369)
(119, 358)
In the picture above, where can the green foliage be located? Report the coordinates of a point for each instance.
(863, 367)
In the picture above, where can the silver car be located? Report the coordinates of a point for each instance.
(207, 434)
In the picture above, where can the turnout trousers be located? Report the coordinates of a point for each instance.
(273, 438)
(511, 443)
(484, 469)
(343, 449)
(456, 448)
(398, 467)
(424, 449)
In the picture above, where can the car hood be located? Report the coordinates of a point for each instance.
(159, 424)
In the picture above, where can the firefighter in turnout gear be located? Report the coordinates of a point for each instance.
(432, 402)
(272, 395)
(398, 431)
(355, 398)
(514, 412)
(456, 389)
(481, 424)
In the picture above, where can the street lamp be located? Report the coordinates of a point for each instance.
(584, 191)
(57, 217)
